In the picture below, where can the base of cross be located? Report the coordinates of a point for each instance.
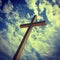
(25, 38)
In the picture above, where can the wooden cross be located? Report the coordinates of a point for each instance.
(24, 40)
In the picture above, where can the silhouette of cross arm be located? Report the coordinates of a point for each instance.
(42, 23)
(25, 38)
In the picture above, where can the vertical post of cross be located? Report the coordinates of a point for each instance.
(24, 40)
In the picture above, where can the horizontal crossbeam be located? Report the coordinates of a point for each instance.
(42, 23)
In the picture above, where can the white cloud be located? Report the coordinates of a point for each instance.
(5, 47)
(8, 7)
(28, 15)
(33, 6)
(54, 1)
(14, 15)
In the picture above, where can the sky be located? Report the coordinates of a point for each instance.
(43, 42)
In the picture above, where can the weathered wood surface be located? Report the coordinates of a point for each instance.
(42, 23)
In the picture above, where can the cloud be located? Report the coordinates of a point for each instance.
(52, 13)
(54, 1)
(33, 6)
(0, 2)
(8, 7)
(28, 15)
(5, 47)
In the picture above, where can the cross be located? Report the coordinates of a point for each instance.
(24, 40)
